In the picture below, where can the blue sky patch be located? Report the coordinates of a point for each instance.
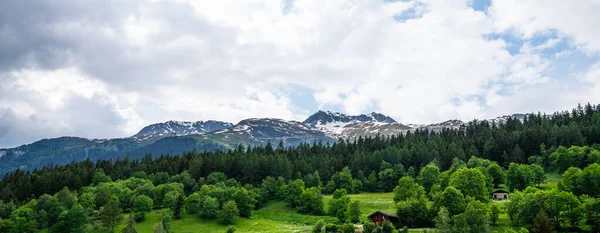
(480, 5)
(287, 6)
(413, 13)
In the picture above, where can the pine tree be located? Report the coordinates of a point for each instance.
(387, 227)
(130, 227)
(166, 218)
(542, 223)
(443, 222)
(178, 208)
(318, 228)
(231, 229)
(495, 211)
(111, 214)
(269, 148)
(517, 155)
(159, 228)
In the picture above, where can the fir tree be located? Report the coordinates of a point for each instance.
(178, 207)
(542, 223)
(110, 214)
(130, 227)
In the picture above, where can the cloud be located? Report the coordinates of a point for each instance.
(580, 22)
(107, 68)
(36, 104)
(582, 87)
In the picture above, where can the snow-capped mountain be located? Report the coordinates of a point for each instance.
(334, 123)
(502, 119)
(175, 137)
(366, 129)
(457, 124)
(338, 125)
(262, 130)
(373, 128)
(179, 128)
(449, 124)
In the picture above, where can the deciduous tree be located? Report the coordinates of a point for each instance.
(473, 220)
(354, 212)
(73, 220)
(142, 204)
(110, 214)
(229, 213)
(497, 173)
(429, 176)
(471, 182)
(407, 188)
(452, 199)
(209, 207)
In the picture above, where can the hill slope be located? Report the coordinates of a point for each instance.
(179, 128)
(175, 137)
(164, 138)
(262, 130)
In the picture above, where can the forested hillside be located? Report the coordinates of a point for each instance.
(447, 176)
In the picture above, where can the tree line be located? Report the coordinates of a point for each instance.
(505, 142)
(438, 178)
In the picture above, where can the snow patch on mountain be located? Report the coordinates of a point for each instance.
(263, 130)
(449, 124)
(180, 128)
(334, 124)
(269, 127)
(365, 129)
(503, 119)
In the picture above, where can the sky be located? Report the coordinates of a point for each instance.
(106, 68)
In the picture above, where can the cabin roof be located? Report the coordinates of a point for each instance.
(500, 191)
(383, 213)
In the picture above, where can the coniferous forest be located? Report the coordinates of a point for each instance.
(440, 181)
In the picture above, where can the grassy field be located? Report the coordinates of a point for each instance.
(275, 216)
(551, 181)
(371, 202)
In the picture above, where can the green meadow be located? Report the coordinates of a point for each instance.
(276, 217)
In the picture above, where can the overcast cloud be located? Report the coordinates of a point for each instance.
(106, 68)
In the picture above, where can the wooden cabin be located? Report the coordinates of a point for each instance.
(500, 195)
(378, 217)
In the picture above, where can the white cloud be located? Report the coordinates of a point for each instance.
(579, 20)
(553, 95)
(124, 65)
(63, 102)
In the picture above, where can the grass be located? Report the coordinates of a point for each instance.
(370, 202)
(278, 211)
(258, 223)
(551, 181)
(275, 216)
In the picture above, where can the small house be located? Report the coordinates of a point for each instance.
(378, 217)
(499, 195)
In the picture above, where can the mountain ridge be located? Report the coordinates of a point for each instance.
(334, 123)
(179, 128)
(175, 137)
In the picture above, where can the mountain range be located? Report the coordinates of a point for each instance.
(176, 137)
